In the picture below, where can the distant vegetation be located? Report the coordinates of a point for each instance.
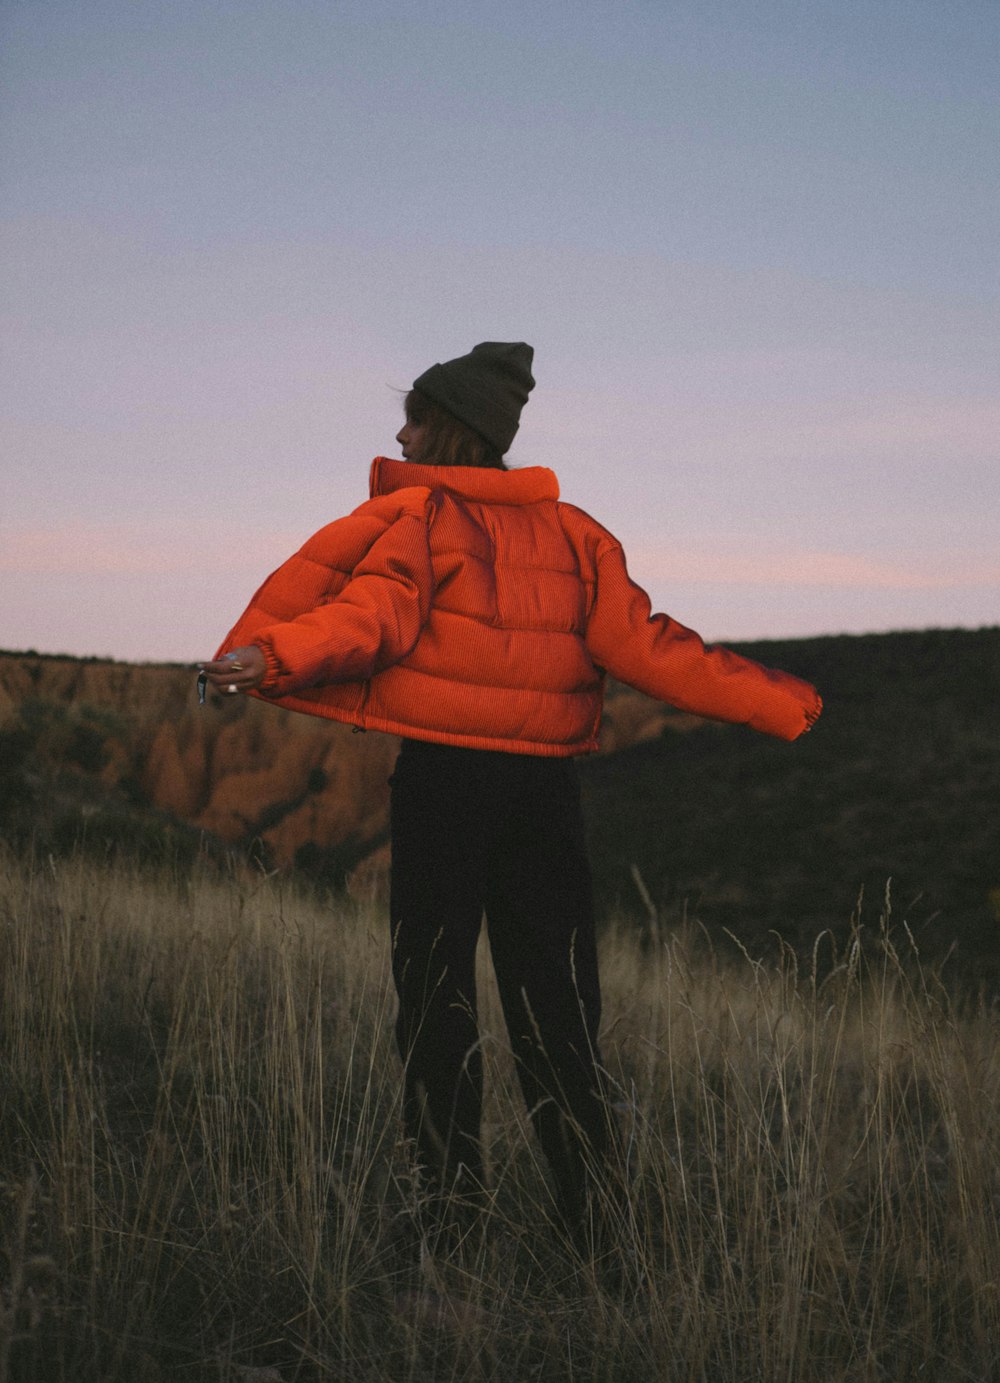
(899, 780)
(202, 1179)
(57, 794)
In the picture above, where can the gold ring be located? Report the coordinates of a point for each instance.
(237, 667)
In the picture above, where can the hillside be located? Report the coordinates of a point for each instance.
(900, 779)
(124, 751)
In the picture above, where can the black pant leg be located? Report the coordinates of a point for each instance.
(540, 917)
(435, 918)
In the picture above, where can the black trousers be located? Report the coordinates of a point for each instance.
(477, 832)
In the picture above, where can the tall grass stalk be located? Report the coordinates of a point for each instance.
(202, 1179)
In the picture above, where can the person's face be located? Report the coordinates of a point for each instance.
(412, 437)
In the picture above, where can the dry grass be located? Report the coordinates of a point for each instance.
(200, 1175)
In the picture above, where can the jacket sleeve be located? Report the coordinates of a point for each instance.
(316, 623)
(662, 658)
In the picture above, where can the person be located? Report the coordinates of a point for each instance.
(469, 610)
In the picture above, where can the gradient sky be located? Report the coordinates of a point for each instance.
(754, 246)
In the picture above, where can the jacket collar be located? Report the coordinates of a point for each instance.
(483, 484)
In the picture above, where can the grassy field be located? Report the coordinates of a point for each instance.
(201, 1176)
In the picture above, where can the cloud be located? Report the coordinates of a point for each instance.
(79, 547)
(925, 571)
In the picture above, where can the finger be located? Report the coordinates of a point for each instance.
(221, 667)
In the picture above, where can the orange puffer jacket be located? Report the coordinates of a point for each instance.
(471, 607)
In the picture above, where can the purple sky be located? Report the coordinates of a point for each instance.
(755, 248)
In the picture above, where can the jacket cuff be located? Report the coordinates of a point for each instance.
(275, 672)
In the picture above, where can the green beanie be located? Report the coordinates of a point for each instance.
(485, 389)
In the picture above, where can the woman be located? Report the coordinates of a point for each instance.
(465, 608)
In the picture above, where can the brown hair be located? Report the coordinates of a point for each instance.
(449, 441)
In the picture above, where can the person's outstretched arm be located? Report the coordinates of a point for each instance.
(352, 601)
(660, 657)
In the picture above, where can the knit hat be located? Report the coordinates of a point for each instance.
(485, 389)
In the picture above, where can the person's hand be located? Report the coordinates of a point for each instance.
(239, 671)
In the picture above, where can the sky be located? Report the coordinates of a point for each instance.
(755, 248)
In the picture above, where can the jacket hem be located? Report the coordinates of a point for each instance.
(386, 726)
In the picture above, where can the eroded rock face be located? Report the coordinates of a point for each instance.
(237, 767)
